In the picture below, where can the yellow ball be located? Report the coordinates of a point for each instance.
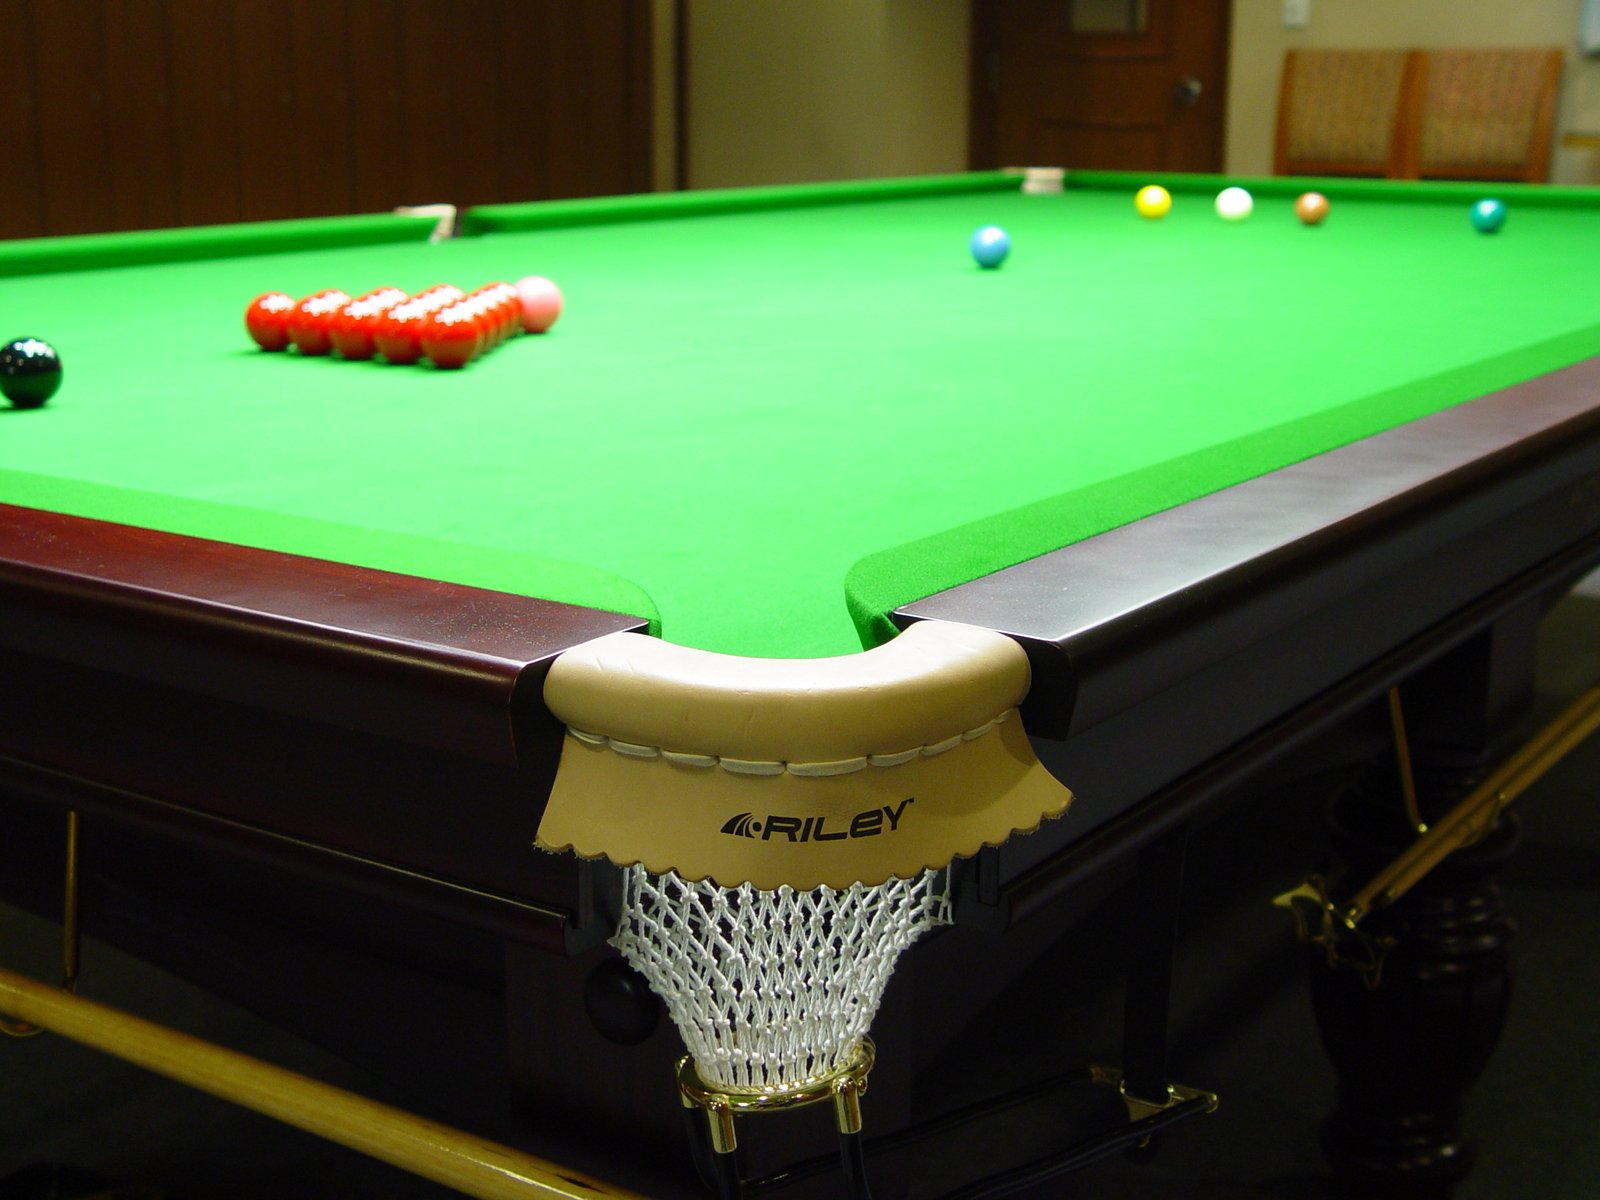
(1153, 202)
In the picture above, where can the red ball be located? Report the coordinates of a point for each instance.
(500, 311)
(541, 303)
(352, 329)
(266, 319)
(395, 335)
(438, 296)
(308, 323)
(475, 309)
(509, 310)
(451, 337)
(489, 320)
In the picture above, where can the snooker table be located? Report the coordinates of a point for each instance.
(286, 620)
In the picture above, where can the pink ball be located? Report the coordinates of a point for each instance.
(541, 303)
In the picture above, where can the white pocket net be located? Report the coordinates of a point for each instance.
(771, 989)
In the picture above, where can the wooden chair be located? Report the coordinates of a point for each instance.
(1483, 114)
(1340, 112)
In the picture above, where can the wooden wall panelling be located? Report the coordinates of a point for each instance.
(638, 133)
(594, 146)
(138, 116)
(377, 130)
(523, 150)
(69, 67)
(983, 86)
(474, 87)
(321, 68)
(425, 68)
(570, 117)
(204, 69)
(21, 196)
(268, 135)
(132, 114)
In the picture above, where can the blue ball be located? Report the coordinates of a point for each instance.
(990, 245)
(1488, 216)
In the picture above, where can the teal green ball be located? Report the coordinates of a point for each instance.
(1488, 216)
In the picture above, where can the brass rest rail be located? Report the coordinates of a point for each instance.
(458, 1160)
(1324, 921)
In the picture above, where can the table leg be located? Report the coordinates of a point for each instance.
(1152, 936)
(1408, 1049)
(1409, 1039)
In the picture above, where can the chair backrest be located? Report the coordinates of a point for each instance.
(1484, 114)
(1339, 112)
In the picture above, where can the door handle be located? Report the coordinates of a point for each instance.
(1186, 92)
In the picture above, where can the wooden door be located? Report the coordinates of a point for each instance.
(1132, 85)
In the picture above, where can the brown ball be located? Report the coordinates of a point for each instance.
(1311, 208)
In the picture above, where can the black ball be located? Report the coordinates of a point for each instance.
(620, 1004)
(30, 372)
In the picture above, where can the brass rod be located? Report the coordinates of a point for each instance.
(1402, 754)
(448, 1156)
(1471, 818)
(70, 940)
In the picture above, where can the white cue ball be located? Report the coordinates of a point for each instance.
(1234, 204)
